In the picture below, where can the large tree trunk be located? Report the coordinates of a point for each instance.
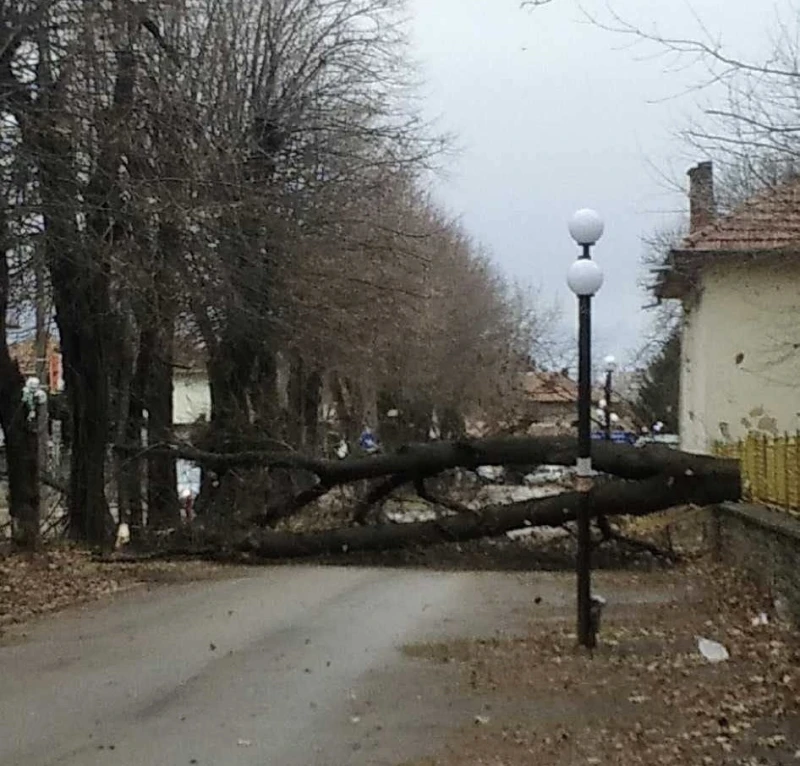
(620, 460)
(20, 436)
(264, 395)
(305, 396)
(614, 498)
(162, 480)
(80, 269)
(231, 376)
(295, 430)
(21, 454)
(716, 478)
(123, 381)
(86, 379)
(666, 478)
(349, 407)
(312, 401)
(230, 372)
(133, 473)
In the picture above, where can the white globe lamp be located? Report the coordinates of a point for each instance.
(586, 226)
(584, 277)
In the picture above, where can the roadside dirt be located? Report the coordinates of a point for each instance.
(647, 696)
(62, 576)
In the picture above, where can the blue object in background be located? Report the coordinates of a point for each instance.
(617, 437)
(367, 441)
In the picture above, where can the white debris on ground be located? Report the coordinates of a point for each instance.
(490, 472)
(538, 534)
(549, 474)
(546, 481)
(503, 494)
(410, 511)
(713, 651)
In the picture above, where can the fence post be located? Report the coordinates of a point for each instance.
(796, 470)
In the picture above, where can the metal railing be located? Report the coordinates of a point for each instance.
(770, 469)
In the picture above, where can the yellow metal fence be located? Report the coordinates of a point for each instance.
(770, 469)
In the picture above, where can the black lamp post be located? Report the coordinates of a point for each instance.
(584, 279)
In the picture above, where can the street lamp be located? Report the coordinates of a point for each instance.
(584, 279)
(611, 366)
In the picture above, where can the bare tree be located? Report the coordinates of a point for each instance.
(248, 178)
(749, 126)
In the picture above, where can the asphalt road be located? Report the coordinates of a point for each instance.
(278, 667)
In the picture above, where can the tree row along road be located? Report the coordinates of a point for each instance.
(273, 667)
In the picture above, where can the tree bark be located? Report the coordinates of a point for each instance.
(621, 460)
(20, 435)
(80, 273)
(349, 407)
(133, 474)
(295, 425)
(86, 378)
(230, 372)
(312, 401)
(613, 498)
(159, 336)
(122, 390)
(162, 479)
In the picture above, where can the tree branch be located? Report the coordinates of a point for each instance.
(429, 459)
(632, 498)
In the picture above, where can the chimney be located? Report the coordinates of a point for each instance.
(702, 210)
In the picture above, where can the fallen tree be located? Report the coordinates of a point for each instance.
(417, 462)
(613, 498)
(429, 459)
(649, 479)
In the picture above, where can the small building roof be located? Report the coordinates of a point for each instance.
(549, 387)
(543, 387)
(23, 352)
(767, 224)
(768, 221)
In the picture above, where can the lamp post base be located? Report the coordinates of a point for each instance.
(586, 636)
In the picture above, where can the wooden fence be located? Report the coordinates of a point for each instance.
(770, 469)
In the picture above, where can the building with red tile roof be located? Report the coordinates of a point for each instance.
(738, 278)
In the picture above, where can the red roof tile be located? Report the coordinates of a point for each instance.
(768, 221)
(24, 353)
(552, 388)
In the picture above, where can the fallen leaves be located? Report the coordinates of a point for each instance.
(648, 696)
(31, 585)
(63, 576)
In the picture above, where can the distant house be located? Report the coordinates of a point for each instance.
(551, 401)
(191, 395)
(738, 278)
(191, 391)
(550, 398)
(25, 354)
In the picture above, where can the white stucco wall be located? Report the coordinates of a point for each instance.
(741, 354)
(191, 398)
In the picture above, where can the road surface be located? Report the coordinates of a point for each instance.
(281, 666)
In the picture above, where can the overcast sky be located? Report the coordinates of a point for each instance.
(552, 114)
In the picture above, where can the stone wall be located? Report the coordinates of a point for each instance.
(766, 545)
